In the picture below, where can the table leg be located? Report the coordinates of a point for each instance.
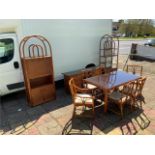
(105, 101)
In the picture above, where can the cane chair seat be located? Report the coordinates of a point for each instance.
(84, 99)
(116, 95)
(81, 98)
(90, 86)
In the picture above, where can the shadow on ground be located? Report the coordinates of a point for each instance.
(55, 118)
(78, 126)
(108, 123)
(17, 117)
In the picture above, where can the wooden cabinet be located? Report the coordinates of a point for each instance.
(38, 72)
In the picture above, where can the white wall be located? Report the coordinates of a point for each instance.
(75, 43)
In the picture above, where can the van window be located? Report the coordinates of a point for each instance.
(6, 50)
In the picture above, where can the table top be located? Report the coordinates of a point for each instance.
(112, 79)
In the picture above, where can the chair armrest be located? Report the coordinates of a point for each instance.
(82, 90)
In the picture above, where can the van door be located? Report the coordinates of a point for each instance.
(11, 78)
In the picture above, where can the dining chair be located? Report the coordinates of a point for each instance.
(137, 93)
(97, 71)
(87, 74)
(121, 97)
(135, 69)
(82, 100)
(98, 93)
(78, 79)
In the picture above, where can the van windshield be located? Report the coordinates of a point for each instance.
(6, 50)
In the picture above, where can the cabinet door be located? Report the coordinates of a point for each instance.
(36, 96)
(48, 92)
(42, 94)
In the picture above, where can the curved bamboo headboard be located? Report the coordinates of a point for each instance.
(31, 48)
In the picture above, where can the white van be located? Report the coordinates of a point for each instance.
(75, 43)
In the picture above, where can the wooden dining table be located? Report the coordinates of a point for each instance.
(110, 81)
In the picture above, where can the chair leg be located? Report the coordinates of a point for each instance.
(133, 102)
(93, 111)
(121, 108)
(141, 104)
(143, 99)
(73, 114)
(139, 100)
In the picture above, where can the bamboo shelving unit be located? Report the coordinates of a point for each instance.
(37, 64)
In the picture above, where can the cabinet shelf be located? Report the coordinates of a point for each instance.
(42, 86)
(39, 76)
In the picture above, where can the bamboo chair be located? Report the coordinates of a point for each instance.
(81, 98)
(79, 80)
(87, 74)
(135, 69)
(121, 97)
(93, 72)
(99, 70)
(98, 93)
(95, 91)
(137, 93)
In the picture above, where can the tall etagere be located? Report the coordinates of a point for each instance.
(109, 52)
(37, 63)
